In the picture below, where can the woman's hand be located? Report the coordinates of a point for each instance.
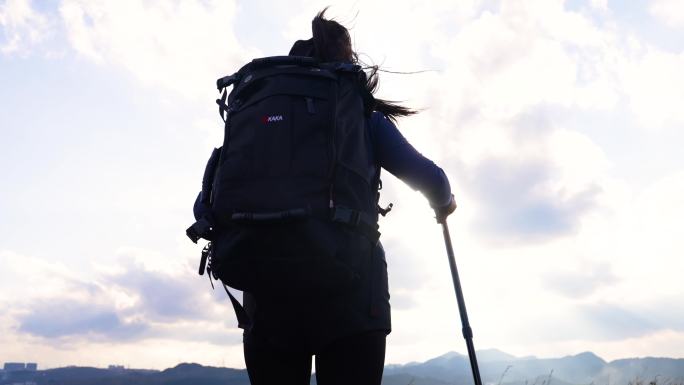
(441, 213)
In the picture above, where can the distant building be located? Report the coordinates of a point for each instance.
(14, 366)
(116, 367)
(19, 366)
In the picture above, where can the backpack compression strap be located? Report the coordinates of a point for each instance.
(206, 262)
(355, 219)
(203, 227)
(243, 319)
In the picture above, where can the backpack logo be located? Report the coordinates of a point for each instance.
(271, 119)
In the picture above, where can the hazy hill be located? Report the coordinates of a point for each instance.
(448, 369)
(583, 368)
(668, 370)
(183, 374)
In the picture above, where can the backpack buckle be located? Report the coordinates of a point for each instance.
(200, 229)
(347, 216)
(384, 211)
(355, 218)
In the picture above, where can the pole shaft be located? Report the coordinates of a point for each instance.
(467, 331)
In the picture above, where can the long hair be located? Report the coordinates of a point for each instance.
(331, 42)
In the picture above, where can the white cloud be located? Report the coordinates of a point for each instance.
(670, 12)
(22, 26)
(526, 55)
(600, 4)
(651, 243)
(654, 85)
(116, 303)
(578, 283)
(182, 46)
(511, 72)
(36, 277)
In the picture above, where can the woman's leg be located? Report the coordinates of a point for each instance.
(267, 365)
(358, 359)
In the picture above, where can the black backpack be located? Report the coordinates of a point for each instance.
(289, 202)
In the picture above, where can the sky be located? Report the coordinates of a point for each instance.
(559, 124)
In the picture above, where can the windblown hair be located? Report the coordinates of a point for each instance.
(331, 42)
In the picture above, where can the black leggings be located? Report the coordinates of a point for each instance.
(357, 359)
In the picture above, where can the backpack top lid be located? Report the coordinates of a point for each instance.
(269, 61)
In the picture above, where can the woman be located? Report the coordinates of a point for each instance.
(346, 333)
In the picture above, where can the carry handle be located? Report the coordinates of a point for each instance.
(284, 60)
(226, 81)
(277, 216)
(305, 61)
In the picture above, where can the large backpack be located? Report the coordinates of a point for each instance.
(291, 195)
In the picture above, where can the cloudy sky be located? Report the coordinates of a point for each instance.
(559, 123)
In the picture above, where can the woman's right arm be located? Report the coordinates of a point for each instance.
(396, 155)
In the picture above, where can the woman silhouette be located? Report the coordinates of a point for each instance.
(345, 333)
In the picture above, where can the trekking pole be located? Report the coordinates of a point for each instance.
(467, 331)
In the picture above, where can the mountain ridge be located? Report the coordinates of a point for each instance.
(496, 367)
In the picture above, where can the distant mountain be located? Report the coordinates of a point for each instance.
(500, 367)
(494, 355)
(407, 379)
(183, 374)
(668, 370)
(579, 369)
(452, 368)
(195, 374)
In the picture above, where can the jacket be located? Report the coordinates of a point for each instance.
(311, 323)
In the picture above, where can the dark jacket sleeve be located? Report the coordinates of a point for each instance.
(396, 155)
